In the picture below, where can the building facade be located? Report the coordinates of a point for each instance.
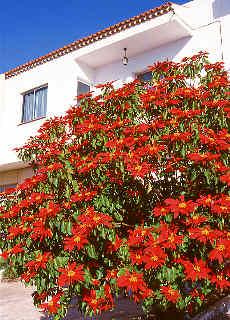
(47, 86)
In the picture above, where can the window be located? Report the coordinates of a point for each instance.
(7, 186)
(34, 104)
(82, 88)
(145, 76)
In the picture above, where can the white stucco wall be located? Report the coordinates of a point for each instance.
(2, 98)
(61, 75)
(210, 24)
(206, 39)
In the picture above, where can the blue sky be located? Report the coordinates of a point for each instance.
(29, 29)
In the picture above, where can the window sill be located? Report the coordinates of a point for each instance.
(20, 124)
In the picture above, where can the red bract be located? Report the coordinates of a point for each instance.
(53, 305)
(170, 293)
(94, 219)
(70, 274)
(196, 270)
(52, 210)
(180, 206)
(18, 230)
(203, 234)
(114, 245)
(178, 136)
(221, 251)
(137, 169)
(203, 157)
(51, 167)
(220, 281)
(161, 211)
(138, 236)
(27, 276)
(225, 179)
(170, 239)
(136, 256)
(95, 303)
(39, 262)
(154, 257)
(14, 250)
(206, 201)
(131, 281)
(41, 230)
(78, 240)
(196, 220)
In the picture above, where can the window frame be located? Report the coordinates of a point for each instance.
(83, 82)
(23, 94)
(137, 74)
(4, 187)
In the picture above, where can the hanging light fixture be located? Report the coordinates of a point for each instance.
(125, 59)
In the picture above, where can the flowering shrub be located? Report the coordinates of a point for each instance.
(130, 194)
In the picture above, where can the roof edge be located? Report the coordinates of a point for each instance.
(107, 32)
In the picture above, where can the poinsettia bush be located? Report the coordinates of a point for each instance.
(130, 195)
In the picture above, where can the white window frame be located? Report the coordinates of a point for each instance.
(22, 103)
(84, 82)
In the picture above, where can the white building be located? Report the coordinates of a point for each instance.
(47, 86)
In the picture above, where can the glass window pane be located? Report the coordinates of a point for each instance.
(40, 102)
(145, 76)
(5, 187)
(82, 88)
(28, 107)
(34, 104)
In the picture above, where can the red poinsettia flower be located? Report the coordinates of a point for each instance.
(180, 206)
(114, 245)
(206, 201)
(220, 281)
(72, 273)
(111, 274)
(170, 239)
(136, 256)
(52, 210)
(27, 276)
(53, 305)
(154, 257)
(225, 178)
(138, 236)
(170, 293)
(203, 234)
(203, 157)
(78, 240)
(131, 281)
(17, 230)
(94, 219)
(221, 209)
(93, 301)
(221, 251)
(196, 270)
(160, 211)
(139, 169)
(40, 230)
(196, 220)
(40, 261)
(14, 250)
(177, 136)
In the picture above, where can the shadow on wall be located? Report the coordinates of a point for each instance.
(139, 63)
(124, 309)
(220, 8)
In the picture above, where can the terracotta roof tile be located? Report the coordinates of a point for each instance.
(116, 28)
